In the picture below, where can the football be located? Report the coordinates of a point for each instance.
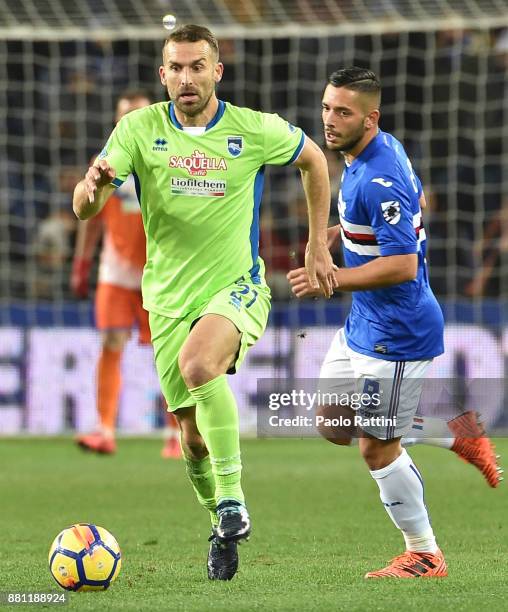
(84, 557)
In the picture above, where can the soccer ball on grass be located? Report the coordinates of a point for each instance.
(84, 557)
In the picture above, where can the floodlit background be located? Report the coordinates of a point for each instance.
(443, 66)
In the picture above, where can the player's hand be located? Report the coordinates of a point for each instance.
(96, 177)
(300, 285)
(320, 268)
(79, 277)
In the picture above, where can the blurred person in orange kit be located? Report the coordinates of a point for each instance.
(118, 301)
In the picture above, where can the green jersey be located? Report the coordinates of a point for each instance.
(200, 196)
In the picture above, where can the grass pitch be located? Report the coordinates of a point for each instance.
(318, 526)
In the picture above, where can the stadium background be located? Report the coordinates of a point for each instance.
(443, 66)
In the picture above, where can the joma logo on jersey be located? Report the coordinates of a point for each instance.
(198, 163)
(382, 181)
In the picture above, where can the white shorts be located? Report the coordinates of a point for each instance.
(395, 387)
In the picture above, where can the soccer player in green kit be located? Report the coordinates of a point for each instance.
(199, 166)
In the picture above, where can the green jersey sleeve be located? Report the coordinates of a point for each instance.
(118, 152)
(283, 142)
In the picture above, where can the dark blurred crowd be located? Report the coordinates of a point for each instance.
(445, 96)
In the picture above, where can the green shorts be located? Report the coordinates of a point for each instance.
(244, 303)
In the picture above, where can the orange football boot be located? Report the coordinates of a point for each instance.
(414, 565)
(97, 443)
(474, 446)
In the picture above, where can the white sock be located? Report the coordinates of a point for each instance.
(429, 430)
(401, 491)
(420, 543)
(440, 442)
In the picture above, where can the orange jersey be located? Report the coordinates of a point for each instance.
(123, 253)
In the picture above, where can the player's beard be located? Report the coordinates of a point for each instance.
(350, 143)
(191, 110)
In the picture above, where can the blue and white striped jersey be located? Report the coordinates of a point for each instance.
(380, 215)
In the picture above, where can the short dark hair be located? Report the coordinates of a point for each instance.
(357, 79)
(134, 94)
(193, 33)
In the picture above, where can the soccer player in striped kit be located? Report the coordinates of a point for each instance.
(395, 327)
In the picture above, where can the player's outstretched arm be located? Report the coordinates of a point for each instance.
(92, 192)
(378, 273)
(314, 170)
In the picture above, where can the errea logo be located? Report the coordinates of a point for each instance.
(159, 144)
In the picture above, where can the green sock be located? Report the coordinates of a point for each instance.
(217, 421)
(201, 476)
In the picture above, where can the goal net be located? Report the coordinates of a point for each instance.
(443, 66)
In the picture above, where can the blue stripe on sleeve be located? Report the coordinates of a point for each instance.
(298, 150)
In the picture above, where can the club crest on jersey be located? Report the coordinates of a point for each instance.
(391, 211)
(198, 163)
(235, 145)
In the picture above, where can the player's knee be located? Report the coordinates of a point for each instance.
(377, 454)
(336, 424)
(114, 339)
(196, 370)
(371, 456)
